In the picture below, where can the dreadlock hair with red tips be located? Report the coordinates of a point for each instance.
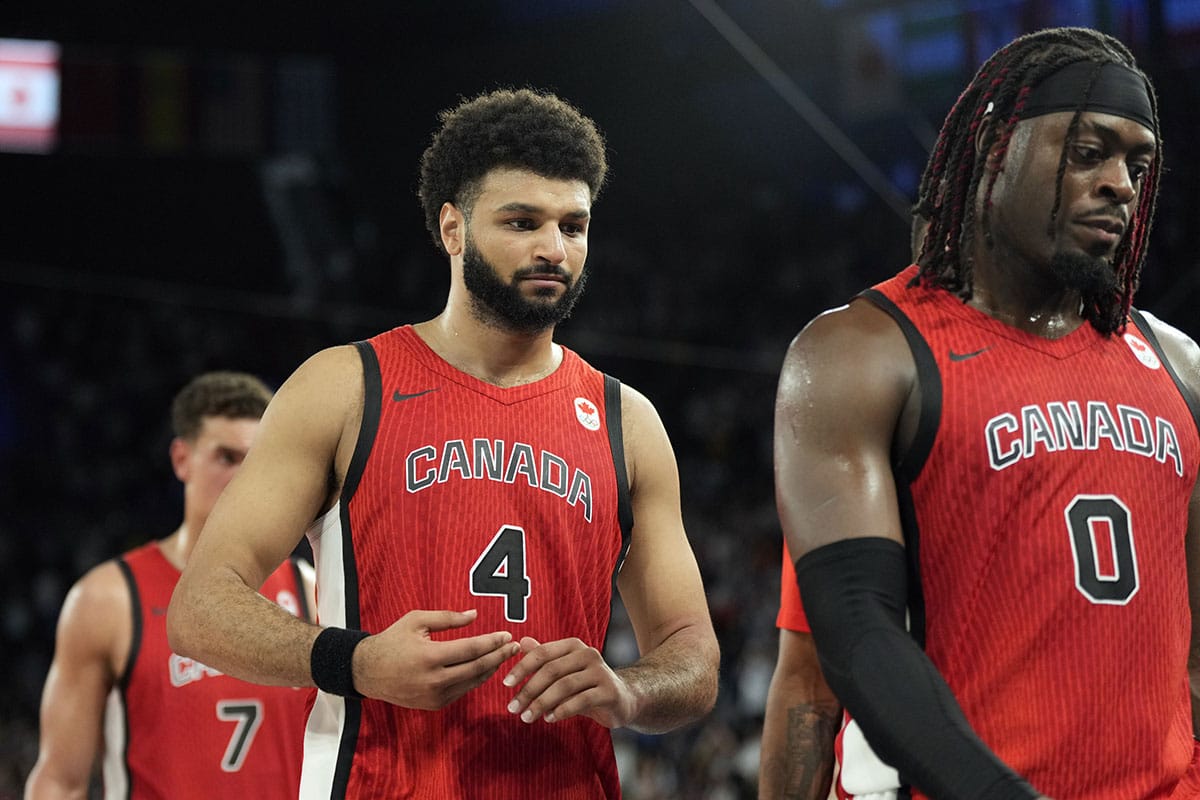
(956, 166)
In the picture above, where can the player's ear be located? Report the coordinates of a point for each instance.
(180, 452)
(453, 226)
(984, 137)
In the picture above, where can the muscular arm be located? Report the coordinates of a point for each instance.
(1193, 559)
(675, 679)
(801, 722)
(216, 614)
(91, 644)
(845, 385)
(1184, 356)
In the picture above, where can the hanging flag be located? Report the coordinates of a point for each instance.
(29, 95)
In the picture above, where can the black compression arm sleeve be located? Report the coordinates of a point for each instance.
(854, 594)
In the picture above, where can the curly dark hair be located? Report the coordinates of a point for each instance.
(955, 167)
(236, 395)
(519, 128)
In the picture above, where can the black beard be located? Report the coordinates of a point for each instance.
(1092, 277)
(501, 304)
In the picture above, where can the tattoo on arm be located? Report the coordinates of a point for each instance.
(810, 733)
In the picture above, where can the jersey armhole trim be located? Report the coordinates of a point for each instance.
(908, 464)
(369, 426)
(616, 442)
(1144, 327)
(135, 637)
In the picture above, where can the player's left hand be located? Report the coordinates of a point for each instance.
(567, 678)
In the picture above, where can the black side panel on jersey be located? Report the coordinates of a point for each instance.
(616, 443)
(305, 612)
(135, 644)
(907, 464)
(135, 639)
(368, 428)
(1193, 403)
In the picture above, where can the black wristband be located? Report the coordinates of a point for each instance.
(331, 661)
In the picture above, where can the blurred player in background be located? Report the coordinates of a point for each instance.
(169, 726)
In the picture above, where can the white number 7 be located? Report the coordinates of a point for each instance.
(248, 716)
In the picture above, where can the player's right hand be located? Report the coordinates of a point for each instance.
(404, 666)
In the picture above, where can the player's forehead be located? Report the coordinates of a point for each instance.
(511, 188)
(232, 433)
(1107, 128)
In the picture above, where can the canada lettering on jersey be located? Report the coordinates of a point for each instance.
(496, 460)
(1058, 426)
(187, 670)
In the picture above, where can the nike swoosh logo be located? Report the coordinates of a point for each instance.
(964, 356)
(400, 397)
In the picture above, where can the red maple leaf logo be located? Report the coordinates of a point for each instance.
(586, 407)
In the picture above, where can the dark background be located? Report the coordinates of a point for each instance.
(233, 187)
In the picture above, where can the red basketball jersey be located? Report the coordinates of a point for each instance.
(465, 495)
(1044, 506)
(177, 729)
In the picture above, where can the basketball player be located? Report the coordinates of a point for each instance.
(987, 468)
(803, 717)
(477, 491)
(170, 726)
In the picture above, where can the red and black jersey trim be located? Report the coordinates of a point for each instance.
(135, 646)
(368, 429)
(616, 443)
(908, 461)
(1189, 397)
(135, 639)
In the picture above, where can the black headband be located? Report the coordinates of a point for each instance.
(1117, 90)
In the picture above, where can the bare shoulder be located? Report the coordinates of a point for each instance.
(99, 592)
(648, 451)
(1181, 350)
(96, 617)
(637, 412)
(332, 375)
(846, 351)
(847, 392)
(318, 410)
